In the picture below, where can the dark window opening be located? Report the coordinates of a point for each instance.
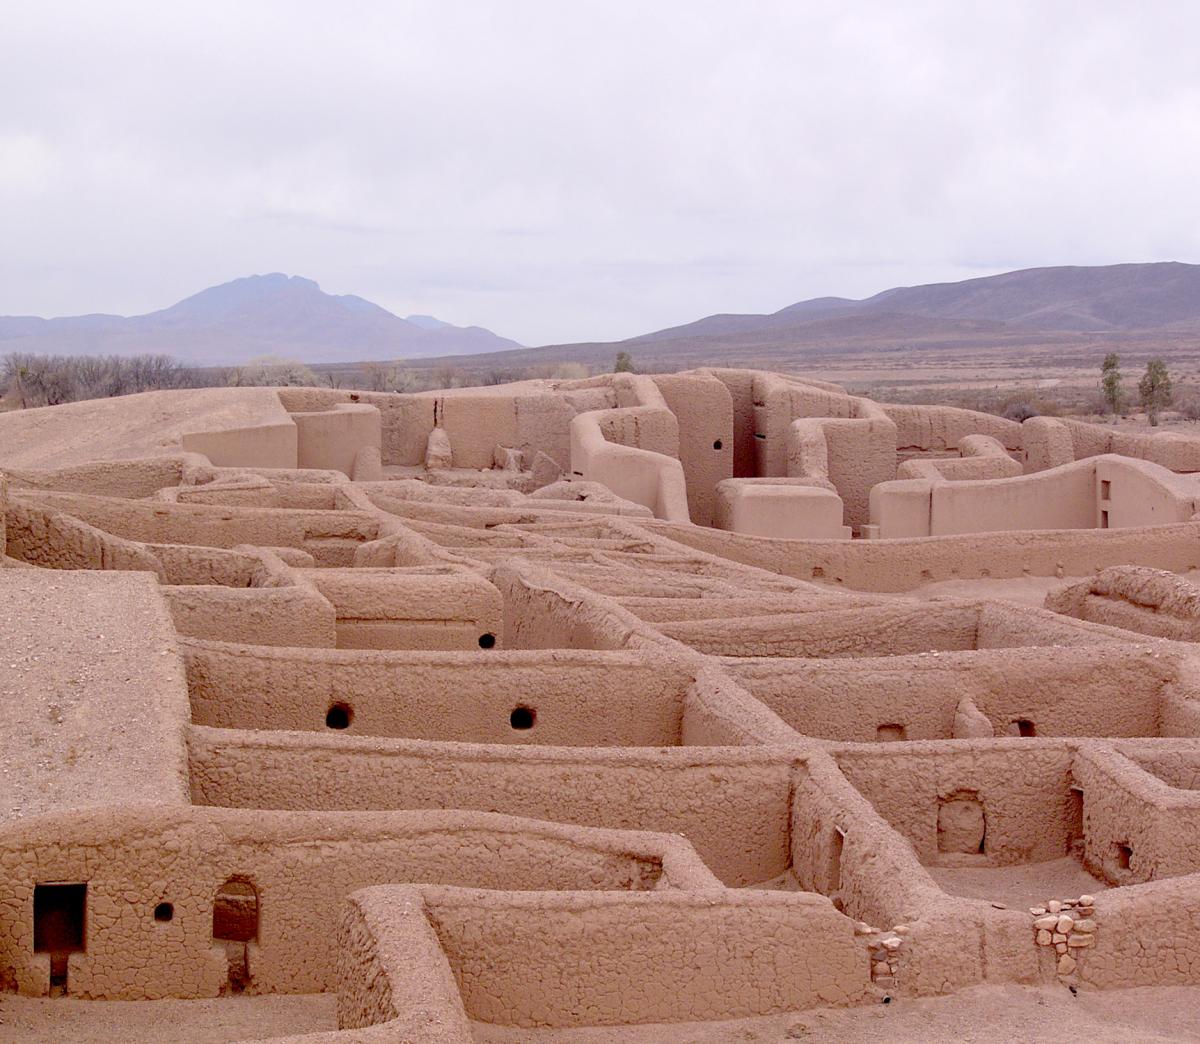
(1124, 856)
(59, 915)
(1025, 727)
(164, 912)
(487, 641)
(717, 445)
(1075, 815)
(59, 919)
(522, 718)
(339, 716)
(235, 923)
(1105, 489)
(1103, 519)
(833, 873)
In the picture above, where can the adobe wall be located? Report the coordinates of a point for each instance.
(633, 449)
(393, 979)
(1096, 691)
(703, 408)
(56, 540)
(907, 563)
(892, 629)
(299, 865)
(544, 611)
(795, 508)
(1148, 601)
(732, 807)
(1127, 803)
(717, 712)
(296, 615)
(740, 385)
(876, 631)
(272, 445)
(333, 439)
(1029, 813)
(924, 429)
(115, 478)
(1106, 492)
(205, 524)
(659, 958)
(442, 696)
(1053, 441)
(415, 608)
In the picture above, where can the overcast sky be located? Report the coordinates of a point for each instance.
(574, 170)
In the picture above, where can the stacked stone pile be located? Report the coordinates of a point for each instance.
(884, 948)
(1067, 925)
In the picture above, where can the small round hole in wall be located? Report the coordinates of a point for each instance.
(339, 716)
(718, 444)
(522, 718)
(487, 641)
(163, 912)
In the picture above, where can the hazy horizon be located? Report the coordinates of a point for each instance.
(589, 171)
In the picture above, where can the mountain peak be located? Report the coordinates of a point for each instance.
(268, 314)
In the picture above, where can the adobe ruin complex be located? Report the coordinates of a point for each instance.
(592, 703)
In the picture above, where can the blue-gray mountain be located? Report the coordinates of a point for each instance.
(1146, 305)
(259, 315)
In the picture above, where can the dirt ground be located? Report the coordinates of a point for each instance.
(37, 1020)
(1021, 886)
(1025, 590)
(982, 1014)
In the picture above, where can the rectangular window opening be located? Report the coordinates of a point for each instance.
(59, 916)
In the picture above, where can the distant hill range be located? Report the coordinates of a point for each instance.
(1069, 306)
(259, 315)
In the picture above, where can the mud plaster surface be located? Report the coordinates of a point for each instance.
(981, 1014)
(1025, 590)
(38, 1020)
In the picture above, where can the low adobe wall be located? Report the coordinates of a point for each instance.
(544, 611)
(1141, 813)
(1105, 492)
(903, 564)
(1053, 441)
(1085, 691)
(292, 615)
(633, 449)
(1029, 810)
(892, 629)
(107, 478)
(1149, 601)
(434, 607)
(298, 865)
(660, 958)
(57, 540)
(780, 507)
(393, 979)
(852, 440)
(731, 805)
(333, 439)
(980, 457)
(842, 846)
(330, 536)
(257, 446)
(924, 429)
(443, 696)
